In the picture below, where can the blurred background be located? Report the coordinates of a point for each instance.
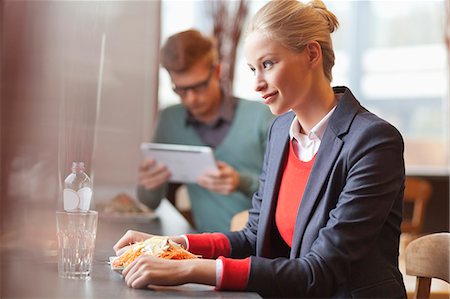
(80, 81)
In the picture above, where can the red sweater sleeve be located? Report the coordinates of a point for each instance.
(234, 274)
(212, 245)
(209, 245)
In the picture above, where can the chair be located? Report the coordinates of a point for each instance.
(239, 220)
(417, 192)
(178, 196)
(428, 257)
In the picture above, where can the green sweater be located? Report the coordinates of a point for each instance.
(243, 148)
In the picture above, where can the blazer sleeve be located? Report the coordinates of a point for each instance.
(373, 167)
(243, 243)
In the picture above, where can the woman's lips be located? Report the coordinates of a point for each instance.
(269, 97)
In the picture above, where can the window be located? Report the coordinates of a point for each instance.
(178, 16)
(394, 61)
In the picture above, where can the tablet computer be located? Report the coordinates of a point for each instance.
(185, 162)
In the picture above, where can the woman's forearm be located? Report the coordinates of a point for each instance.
(202, 271)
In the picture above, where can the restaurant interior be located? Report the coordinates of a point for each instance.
(81, 81)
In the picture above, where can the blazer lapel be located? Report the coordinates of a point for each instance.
(278, 146)
(329, 150)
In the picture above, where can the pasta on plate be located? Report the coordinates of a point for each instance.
(161, 247)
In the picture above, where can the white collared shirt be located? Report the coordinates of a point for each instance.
(307, 145)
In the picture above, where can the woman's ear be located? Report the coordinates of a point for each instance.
(218, 70)
(314, 52)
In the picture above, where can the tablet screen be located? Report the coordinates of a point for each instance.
(185, 162)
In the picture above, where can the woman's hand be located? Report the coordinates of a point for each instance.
(129, 238)
(133, 236)
(224, 181)
(148, 270)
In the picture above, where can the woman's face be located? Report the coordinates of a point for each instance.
(282, 76)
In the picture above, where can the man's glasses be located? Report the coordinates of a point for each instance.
(196, 88)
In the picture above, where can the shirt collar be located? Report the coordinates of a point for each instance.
(226, 113)
(316, 132)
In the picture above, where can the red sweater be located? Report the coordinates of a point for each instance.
(235, 272)
(293, 182)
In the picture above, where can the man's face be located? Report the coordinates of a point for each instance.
(199, 90)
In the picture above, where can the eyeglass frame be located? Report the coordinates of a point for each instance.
(197, 87)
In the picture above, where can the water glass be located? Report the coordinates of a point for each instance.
(76, 233)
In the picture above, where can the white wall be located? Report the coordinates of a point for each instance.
(61, 104)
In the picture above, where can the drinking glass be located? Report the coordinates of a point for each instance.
(76, 233)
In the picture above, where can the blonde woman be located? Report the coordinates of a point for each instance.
(326, 218)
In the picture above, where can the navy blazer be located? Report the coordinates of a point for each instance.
(346, 237)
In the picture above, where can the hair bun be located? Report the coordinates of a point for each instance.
(331, 19)
(318, 4)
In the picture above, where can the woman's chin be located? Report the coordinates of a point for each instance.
(276, 110)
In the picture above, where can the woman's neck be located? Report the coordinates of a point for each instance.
(318, 105)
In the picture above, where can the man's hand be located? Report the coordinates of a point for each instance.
(153, 175)
(224, 181)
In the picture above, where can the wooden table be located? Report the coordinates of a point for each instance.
(29, 267)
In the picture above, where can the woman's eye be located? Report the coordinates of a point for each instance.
(267, 64)
(252, 69)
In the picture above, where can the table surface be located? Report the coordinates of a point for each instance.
(29, 267)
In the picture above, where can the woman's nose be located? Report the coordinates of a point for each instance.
(260, 84)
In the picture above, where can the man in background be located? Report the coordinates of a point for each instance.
(235, 128)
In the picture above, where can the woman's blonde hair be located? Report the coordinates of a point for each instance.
(294, 24)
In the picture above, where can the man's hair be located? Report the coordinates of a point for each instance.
(185, 49)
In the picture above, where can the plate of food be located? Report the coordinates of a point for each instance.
(161, 247)
(124, 207)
